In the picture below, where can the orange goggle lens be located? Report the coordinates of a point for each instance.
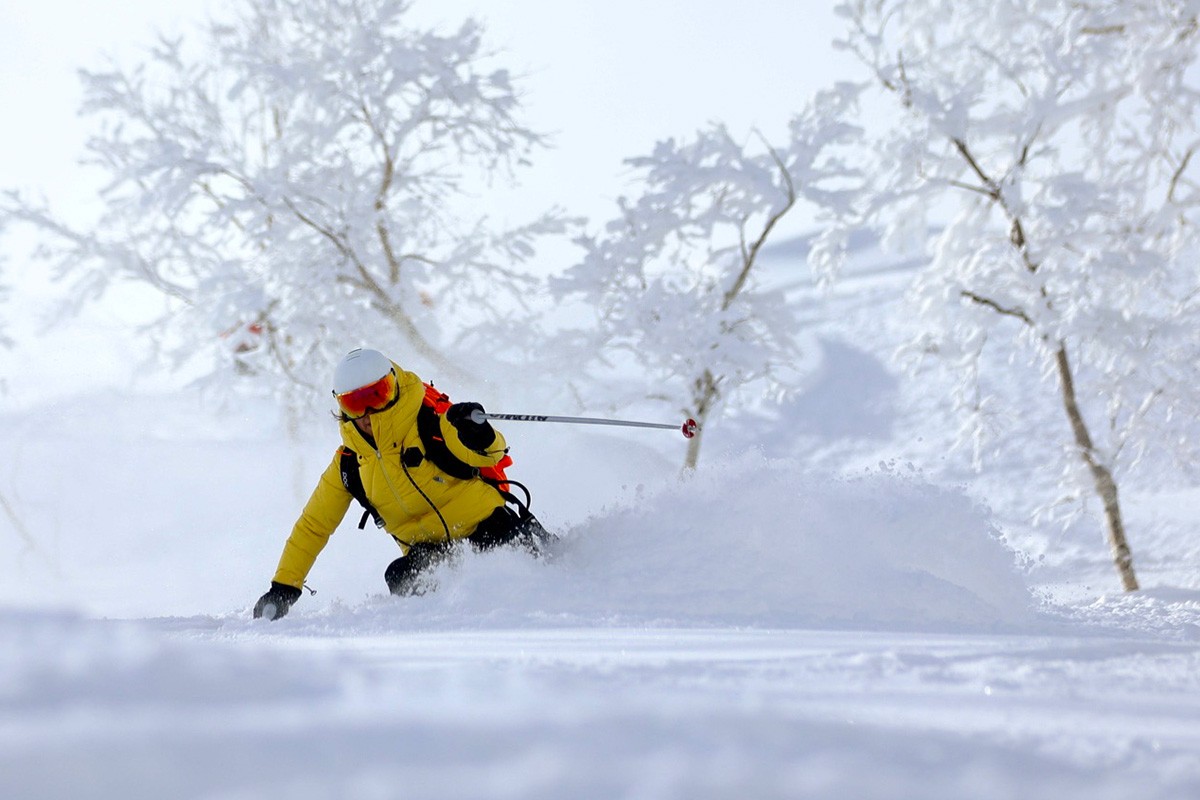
(372, 397)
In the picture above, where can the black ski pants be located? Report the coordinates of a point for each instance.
(408, 575)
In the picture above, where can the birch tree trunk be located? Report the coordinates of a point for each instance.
(1102, 477)
(706, 395)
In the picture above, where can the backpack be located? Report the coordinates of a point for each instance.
(433, 405)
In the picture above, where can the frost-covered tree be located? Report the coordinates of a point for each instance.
(293, 180)
(1057, 138)
(675, 280)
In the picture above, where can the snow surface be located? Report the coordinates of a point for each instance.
(761, 629)
(810, 615)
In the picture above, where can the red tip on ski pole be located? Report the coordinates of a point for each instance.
(689, 428)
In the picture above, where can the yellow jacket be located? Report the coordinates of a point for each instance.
(392, 487)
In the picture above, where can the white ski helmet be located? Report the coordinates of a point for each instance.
(360, 367)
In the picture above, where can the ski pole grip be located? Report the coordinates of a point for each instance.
(478, 417)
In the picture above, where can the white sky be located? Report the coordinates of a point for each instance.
(607, 79)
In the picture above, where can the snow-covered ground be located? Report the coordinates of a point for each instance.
(354, 704)
(828, 608)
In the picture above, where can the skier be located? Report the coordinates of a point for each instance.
(429, 472)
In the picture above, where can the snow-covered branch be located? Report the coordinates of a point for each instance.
(1058, 138)
(296, 174)
(675, 279)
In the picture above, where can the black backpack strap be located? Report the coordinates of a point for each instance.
(509, 497)
(352, 480)
(429, 428)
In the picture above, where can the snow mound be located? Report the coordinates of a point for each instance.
(750, 542)
(1163, 612)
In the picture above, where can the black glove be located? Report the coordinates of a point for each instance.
(276, 602)
(475, 435)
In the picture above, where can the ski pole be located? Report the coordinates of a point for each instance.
(688, 428)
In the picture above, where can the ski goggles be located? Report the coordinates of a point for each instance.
(365, 399)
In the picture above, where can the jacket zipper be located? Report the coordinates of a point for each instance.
(388, 480)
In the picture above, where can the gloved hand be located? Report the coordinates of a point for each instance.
(276, 602)
(477, 435)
